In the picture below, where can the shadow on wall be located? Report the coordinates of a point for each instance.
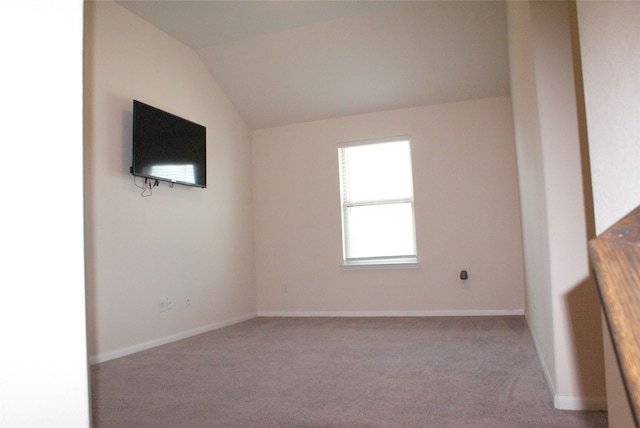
(583, 307)
(89, 180)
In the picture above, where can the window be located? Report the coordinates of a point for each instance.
(376, 188)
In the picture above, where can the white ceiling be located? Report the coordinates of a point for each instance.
(285, 62)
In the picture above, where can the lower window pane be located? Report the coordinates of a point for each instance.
(380, 231)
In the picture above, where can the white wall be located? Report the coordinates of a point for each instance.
(182, 241)
(562, 300)
(531, 182)
(43, 363)
(466, 208)
(609, 35)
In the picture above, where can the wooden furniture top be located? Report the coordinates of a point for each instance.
(615, 256)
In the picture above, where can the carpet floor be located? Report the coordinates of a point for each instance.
(336, 372)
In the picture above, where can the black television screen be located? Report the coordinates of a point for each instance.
(167, 147)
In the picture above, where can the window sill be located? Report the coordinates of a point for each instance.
(381, 264)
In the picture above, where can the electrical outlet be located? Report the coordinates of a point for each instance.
(163, 304)
(169, 303)
(187, 301)
(464, 278)
(285, 288)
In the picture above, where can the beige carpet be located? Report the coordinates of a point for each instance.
(336, 372)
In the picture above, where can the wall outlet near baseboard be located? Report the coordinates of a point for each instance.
(187, 301)
(163, 304)
(169, 303)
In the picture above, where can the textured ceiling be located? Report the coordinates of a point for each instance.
(285, 62)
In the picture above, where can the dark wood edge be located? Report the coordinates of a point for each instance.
(615, 256)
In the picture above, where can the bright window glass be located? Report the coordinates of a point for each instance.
(377, 201)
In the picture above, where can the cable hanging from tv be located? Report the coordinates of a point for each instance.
(147, 187)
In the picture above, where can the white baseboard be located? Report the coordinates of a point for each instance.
(100, 358)
(452, 313)
(545, 369)
(570, 402)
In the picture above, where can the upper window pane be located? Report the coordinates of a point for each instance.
(377, 171)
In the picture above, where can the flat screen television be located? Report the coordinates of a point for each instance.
(167, 147)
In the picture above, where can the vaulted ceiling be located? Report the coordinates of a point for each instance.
(285, 62)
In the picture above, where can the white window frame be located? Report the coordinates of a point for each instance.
(374, 262)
